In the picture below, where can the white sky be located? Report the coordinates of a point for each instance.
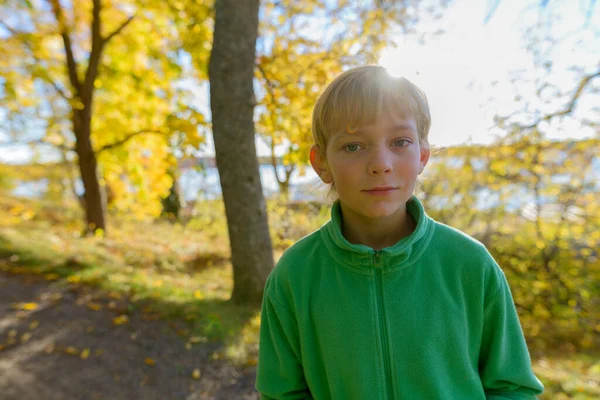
(456, 68)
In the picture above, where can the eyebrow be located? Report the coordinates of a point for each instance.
(392, 128)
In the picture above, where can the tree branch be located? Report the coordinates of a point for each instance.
(56, 87)
(571, 105)
(127, 138)
(71, 63)
(95, 54)
(44, 77)
(10, 29)
(119, 29)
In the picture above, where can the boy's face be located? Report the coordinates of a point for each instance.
(374, 168)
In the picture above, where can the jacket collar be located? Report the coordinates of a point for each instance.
(363, 258)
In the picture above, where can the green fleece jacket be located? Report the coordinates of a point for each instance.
(431, 317)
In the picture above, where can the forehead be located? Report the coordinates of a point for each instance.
(381, 109)
(385, 124)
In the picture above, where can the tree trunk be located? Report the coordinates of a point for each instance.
(232, 102)
(94, 212)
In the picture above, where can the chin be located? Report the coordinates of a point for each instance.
(383, 210)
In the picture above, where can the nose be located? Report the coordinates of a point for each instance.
(380, 162)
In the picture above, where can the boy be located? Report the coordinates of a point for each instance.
(383, 302)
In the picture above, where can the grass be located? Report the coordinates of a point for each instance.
(574, 376)
(183, 274)
(164, 269)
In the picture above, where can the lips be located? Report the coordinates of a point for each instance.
(381, 190)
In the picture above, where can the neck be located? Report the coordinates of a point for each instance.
(377, 233)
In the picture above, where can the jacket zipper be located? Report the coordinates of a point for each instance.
(382, 327)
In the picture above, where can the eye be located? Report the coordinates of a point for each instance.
(401, 142)
(352, 147)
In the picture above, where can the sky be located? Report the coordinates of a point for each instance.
(457, 68)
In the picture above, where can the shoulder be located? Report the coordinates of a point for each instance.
(458, 243)
(461, 250)
(294, 267)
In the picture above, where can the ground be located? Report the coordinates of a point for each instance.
(64, 342)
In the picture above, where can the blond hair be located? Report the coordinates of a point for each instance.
(360, 95)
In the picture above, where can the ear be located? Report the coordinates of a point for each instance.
(320, 165)
(425, 152)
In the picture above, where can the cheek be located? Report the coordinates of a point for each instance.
(343, 169)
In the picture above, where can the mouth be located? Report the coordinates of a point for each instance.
(381, 190)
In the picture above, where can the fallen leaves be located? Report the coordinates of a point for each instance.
(94, 306)
(51, 276)
(120, 320)
(25, 337)
(26, 306)
(196, 374)
(85, 353)
(150, 361)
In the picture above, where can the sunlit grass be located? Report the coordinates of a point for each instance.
(572, 377)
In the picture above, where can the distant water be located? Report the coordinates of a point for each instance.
(205, 185)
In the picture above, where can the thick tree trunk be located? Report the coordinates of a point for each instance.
(88, 167)
(232, 104)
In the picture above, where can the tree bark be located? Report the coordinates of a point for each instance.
(231, 72)
(88, 167)
(83, 98)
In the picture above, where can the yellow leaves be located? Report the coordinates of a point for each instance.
(72, 350)
(196, 374)
(77, 104)
(150, 361)
(51, 276)
(25, 337)
(114, 295)
(121, 320)
(26, 306)
(572, 302)
(93, 306)
(198, 295)
(85, 353)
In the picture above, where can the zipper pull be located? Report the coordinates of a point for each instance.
(376, 257)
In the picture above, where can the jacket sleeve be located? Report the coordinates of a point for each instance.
(504, 363)
(279, 373)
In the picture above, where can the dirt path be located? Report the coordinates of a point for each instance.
(61, 343)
